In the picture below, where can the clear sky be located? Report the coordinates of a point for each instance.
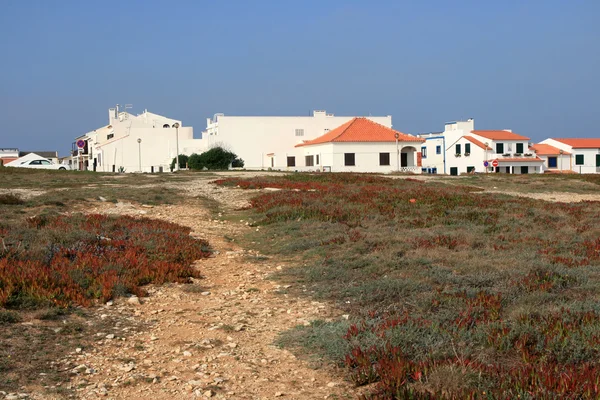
(532, 66)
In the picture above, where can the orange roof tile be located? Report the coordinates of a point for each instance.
(581, 143)
(477, 142)
(519, 159)
(500, 135)
(361, 130)
(546, 150)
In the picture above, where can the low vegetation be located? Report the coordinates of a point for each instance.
(450, 292)
(216, 158)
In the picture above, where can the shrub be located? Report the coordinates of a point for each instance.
(183, 162)
(10, 199)
(215, 158)
(9, 317)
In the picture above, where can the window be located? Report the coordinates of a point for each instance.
(166, 126)
(424, 152)
(309, 161)
(458, 149)
(384, 158)
(36, 162)
(110, 136)
(317, 159)
(579, 159)
(438, 149)
(467, 149)
(499, 148)
(291, 161)
(597, 160)
(349, 159)
(520, 148)
(470, 169)
(524, 170)
(552, 162)
(45, 162)
(299, 132)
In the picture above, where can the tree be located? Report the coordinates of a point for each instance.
(183, 161)
(215, 158)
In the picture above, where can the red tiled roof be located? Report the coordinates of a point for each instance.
(477, 142)
(361, 130)
(581, 143)
(546, 150)
(500, 135)
(518, 159)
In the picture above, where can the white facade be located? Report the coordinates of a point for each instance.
(582, 160)
(135, 143)
(266, 142)
(461, 149)
(367, 156)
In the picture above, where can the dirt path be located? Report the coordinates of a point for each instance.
(210, 339)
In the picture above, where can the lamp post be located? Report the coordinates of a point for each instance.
(397, 153)
(140, 153)
(176, 126)
(561, 151)
(486, 147)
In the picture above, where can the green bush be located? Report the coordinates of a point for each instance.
(183, 162)
(215, 158)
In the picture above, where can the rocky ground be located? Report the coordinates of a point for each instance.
(213, 338)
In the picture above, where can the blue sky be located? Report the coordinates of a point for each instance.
(532, 66)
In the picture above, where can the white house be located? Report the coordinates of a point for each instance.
(555, 159)
(8, 154)
(584, 157)
(268, 141)
(462, 149)
(359, 145)
(134, 143)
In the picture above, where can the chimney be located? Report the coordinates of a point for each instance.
(111, 115)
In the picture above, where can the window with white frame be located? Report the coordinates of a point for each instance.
(424, 152)
(309, 161)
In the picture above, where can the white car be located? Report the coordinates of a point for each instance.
(41, 164)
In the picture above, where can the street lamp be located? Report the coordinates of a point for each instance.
(176, 126)
(561, 151)
(397, 153)
(488, 167)
(140, 153)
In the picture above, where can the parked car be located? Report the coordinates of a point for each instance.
(41, 164)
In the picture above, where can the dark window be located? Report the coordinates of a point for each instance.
(349, 160)
(453, 171)
(384, 158)
(438, 149)
(110, 136)
(499, 148)
(520, 148)
(310, 161)
(458, 149)
(291, 161)
(424, 152)
(272, 162)
(36, 162)
(467, 148)
(597, 160)
(579, 159)
(552, 162)
(166, 126)
(317, 159)
(524, 170)
(470, 169)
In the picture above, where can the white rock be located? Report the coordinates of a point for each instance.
(205, 293)
(110, 336)
(134, 300)
(208, 393)
(187, 354)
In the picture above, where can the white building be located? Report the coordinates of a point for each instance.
(134, 143)
(268, 141)
(359, 145)
(584, 157)
(8, 154)
(555, 159)
(462, 149)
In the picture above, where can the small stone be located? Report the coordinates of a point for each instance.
(110, 336)
(331, 384)
(346, 316)
(208, 393)
(101, 198)
(232, 345)
(187, 354)
(78, 350)
(205, 293)
(103, 316)
(109, 303)
(278, 394)
(134, 300)
(153, 338)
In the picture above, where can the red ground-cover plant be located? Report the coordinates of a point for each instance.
(79, 259)
(495, 292)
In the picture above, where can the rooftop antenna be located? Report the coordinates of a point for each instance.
(128, 106)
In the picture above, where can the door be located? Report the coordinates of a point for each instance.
(597, 162)
(524, 170)
(403, 159)
(454, 171)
